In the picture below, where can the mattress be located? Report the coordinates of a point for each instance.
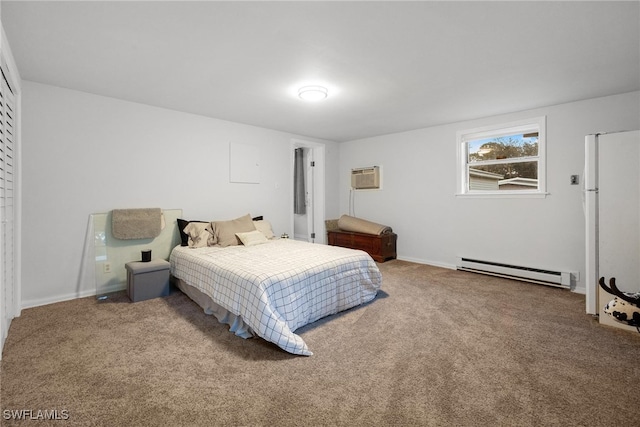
(272, 289)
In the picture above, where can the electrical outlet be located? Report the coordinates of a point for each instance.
(575, 179)
(106, 267)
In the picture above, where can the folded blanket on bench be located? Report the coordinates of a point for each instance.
(359, 225)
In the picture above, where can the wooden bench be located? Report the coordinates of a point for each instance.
(381, 247)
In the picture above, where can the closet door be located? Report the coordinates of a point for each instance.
(7, 149)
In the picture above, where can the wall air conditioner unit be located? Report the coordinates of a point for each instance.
(365, 178)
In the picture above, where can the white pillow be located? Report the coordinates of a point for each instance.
(251, 238)
(264, 226)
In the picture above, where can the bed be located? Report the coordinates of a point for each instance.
(273, 288)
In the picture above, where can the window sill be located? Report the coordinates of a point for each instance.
(503, 195)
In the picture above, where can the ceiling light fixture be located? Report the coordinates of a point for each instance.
(312, 93)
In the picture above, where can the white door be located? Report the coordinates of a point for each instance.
(310, 164)
(618, 214)
(8, 135)
(590, 201)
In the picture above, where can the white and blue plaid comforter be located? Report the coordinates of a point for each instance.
(281, 285)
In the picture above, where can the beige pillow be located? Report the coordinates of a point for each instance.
(264, 227)
(212, 240)
(198, 234)
(251, 238)
(225, 231)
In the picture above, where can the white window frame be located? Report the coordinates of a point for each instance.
(536, 124)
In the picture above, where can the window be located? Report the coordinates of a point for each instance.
(503, 161)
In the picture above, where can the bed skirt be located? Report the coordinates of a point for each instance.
(224, 316)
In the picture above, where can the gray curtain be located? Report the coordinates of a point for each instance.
(299, 205)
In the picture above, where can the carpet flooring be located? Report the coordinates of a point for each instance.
(437, 347)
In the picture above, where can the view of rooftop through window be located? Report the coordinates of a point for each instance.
(506, 162)
(503, 147)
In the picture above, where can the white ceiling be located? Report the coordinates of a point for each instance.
(389, 66)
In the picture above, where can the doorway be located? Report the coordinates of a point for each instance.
(307, 215)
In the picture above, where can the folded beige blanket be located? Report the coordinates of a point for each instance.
(358, 225)
(129, 224)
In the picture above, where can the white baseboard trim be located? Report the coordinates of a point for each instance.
(579, 290)
(67, 297)
(59, 298)
(427, 262)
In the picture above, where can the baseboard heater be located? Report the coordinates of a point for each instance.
(527, 274)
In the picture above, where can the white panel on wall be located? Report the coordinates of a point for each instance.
(244, 163)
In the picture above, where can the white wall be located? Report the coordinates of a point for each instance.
(85, 154)
(434, 226)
